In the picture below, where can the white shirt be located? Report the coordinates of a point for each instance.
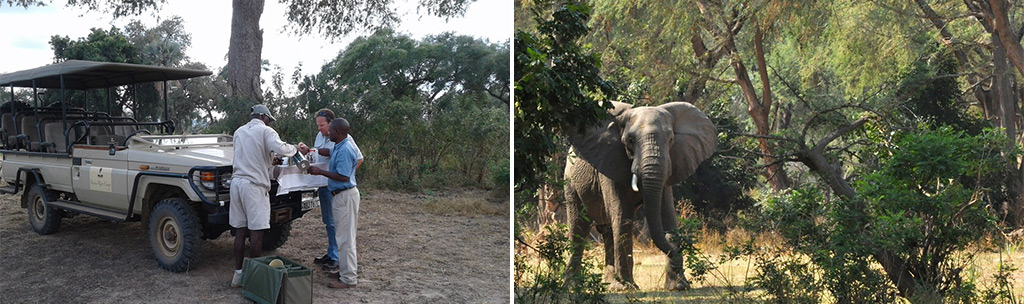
(253, 145)
(323, 142)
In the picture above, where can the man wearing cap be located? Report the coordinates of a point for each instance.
(249, 212)
(345, 204)
(324, 146)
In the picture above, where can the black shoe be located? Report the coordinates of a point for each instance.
(321, 260)
(330, 266)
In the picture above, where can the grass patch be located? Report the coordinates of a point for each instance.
(465, 206)
(728, 283)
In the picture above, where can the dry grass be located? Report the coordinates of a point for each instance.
(465, 206)
(649, 269)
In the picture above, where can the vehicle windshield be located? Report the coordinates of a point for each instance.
(190, 140)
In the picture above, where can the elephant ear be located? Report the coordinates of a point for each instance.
(696, 139)
(601, 145)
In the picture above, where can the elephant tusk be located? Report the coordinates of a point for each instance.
(635, 189)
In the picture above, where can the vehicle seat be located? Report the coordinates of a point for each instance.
(54, 137)
(7, 124)
(29, 136)
(124, 131)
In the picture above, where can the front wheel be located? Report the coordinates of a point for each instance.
(276, 236)
(44, 218)
(175, 234)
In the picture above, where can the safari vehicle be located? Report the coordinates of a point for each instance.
(68, 161)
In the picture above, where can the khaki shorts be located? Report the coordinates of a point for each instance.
(250, 205)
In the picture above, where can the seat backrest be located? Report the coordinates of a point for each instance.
(7, 122)
(124, 130)
(29, 128)
(53, 131)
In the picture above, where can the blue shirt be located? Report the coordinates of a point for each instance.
(343, 161)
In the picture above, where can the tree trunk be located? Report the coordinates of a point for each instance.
(244, 61)
(759, 113)
(1009, 40)
(1005, 45)
(1001, 90)
(706, 61)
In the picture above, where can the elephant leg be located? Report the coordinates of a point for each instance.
(609, 252)
(578, 232)
(675, 277)
(621, 241)
(623, 236)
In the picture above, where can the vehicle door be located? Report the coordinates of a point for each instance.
(99, 178)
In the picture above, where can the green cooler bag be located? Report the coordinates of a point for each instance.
(291, 283)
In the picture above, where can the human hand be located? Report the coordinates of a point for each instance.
(314, 170)
(277, 161)
(303, 148)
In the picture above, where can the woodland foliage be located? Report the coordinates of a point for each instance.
(880, 134)
(426, 113)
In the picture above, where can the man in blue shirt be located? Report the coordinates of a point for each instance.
(345, 204)
(324, 146)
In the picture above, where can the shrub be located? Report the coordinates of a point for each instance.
(544, 280)
(924, 205)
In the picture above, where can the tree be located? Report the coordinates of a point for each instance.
(332, 18)
(163, 45)
(676, 60)
(990, 79)
(108, 46)
(426, 108)
(244, 50)
(556, 83)
(118, 8)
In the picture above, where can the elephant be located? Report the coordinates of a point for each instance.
(637, 148)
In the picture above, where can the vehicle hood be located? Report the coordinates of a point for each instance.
(184, 157)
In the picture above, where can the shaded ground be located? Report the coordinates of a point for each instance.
(441, 248)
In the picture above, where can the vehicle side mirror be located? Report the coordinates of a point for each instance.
(112, 149)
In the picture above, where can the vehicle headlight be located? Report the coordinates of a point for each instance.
(209, 179)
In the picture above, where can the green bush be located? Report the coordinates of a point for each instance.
(544, 280)
(500, 174)
(924, 205)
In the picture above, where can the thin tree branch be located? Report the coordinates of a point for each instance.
(792, 140)
(837, 133)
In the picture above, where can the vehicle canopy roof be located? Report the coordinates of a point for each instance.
(82, 74)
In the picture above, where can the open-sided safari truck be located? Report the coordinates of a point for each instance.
(67, 161)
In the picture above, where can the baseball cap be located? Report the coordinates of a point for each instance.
(262, 109)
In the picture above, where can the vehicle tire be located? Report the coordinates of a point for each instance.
(175, 234)
(276, 236)
(44, 218)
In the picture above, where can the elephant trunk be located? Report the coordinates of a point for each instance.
(653, 174)
(652, 194)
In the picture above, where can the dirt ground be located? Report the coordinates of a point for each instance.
(448, 247)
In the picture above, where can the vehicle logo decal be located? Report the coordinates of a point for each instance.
(99, 179)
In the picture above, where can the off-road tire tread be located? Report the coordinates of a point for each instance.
(190, 229)
(51, 221)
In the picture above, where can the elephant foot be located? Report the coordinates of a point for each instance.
(616, 285)
(677, 285)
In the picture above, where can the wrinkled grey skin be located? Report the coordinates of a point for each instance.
(661, 146)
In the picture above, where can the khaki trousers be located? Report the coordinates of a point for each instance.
(345, 211)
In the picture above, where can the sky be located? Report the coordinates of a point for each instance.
(25, 43)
